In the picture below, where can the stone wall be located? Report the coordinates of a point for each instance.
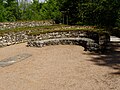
(13, 38)
(9, 25)
(65, 41)
(90, 40)
(93, 40)
(65, 34)
(19, 37)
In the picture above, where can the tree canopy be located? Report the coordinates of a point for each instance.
(103, 13)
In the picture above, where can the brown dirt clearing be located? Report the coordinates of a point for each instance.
(62, 67)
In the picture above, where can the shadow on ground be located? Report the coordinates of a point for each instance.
(110, 59)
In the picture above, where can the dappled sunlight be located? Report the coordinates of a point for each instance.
(110, 59)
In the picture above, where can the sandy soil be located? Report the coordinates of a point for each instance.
(62, 67)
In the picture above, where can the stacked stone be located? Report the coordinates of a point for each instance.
(87, 43)
(82, 38)
(104, 42)
(13, 38)
(53, 35)
(56, 38)
(9, 25)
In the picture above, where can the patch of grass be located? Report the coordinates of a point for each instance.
(52, 28)
(100, 31)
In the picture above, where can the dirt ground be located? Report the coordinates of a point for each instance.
(61, 67)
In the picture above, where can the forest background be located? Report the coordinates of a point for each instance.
(102, 13)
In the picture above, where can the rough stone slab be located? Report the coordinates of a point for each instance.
(87, 43)
(14, 59)
(114, 39)
(58, 39)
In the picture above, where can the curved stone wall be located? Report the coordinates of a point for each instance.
(90, 40)
(87, 43)
(52, 35)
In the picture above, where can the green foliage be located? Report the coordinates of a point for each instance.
(92, 12)
(2, 13)
(12, 11)
(102, 13)
(31, 11)
(50, 10)
(8, 10)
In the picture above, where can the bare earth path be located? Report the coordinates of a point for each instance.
(59, 67)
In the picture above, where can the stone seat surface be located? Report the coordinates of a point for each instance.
(62, 40)
(114, 39)
(85, 42)
(58, 39)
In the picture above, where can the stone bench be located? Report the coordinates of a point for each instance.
(87, 43)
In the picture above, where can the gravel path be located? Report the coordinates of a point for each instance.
(61, 67)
